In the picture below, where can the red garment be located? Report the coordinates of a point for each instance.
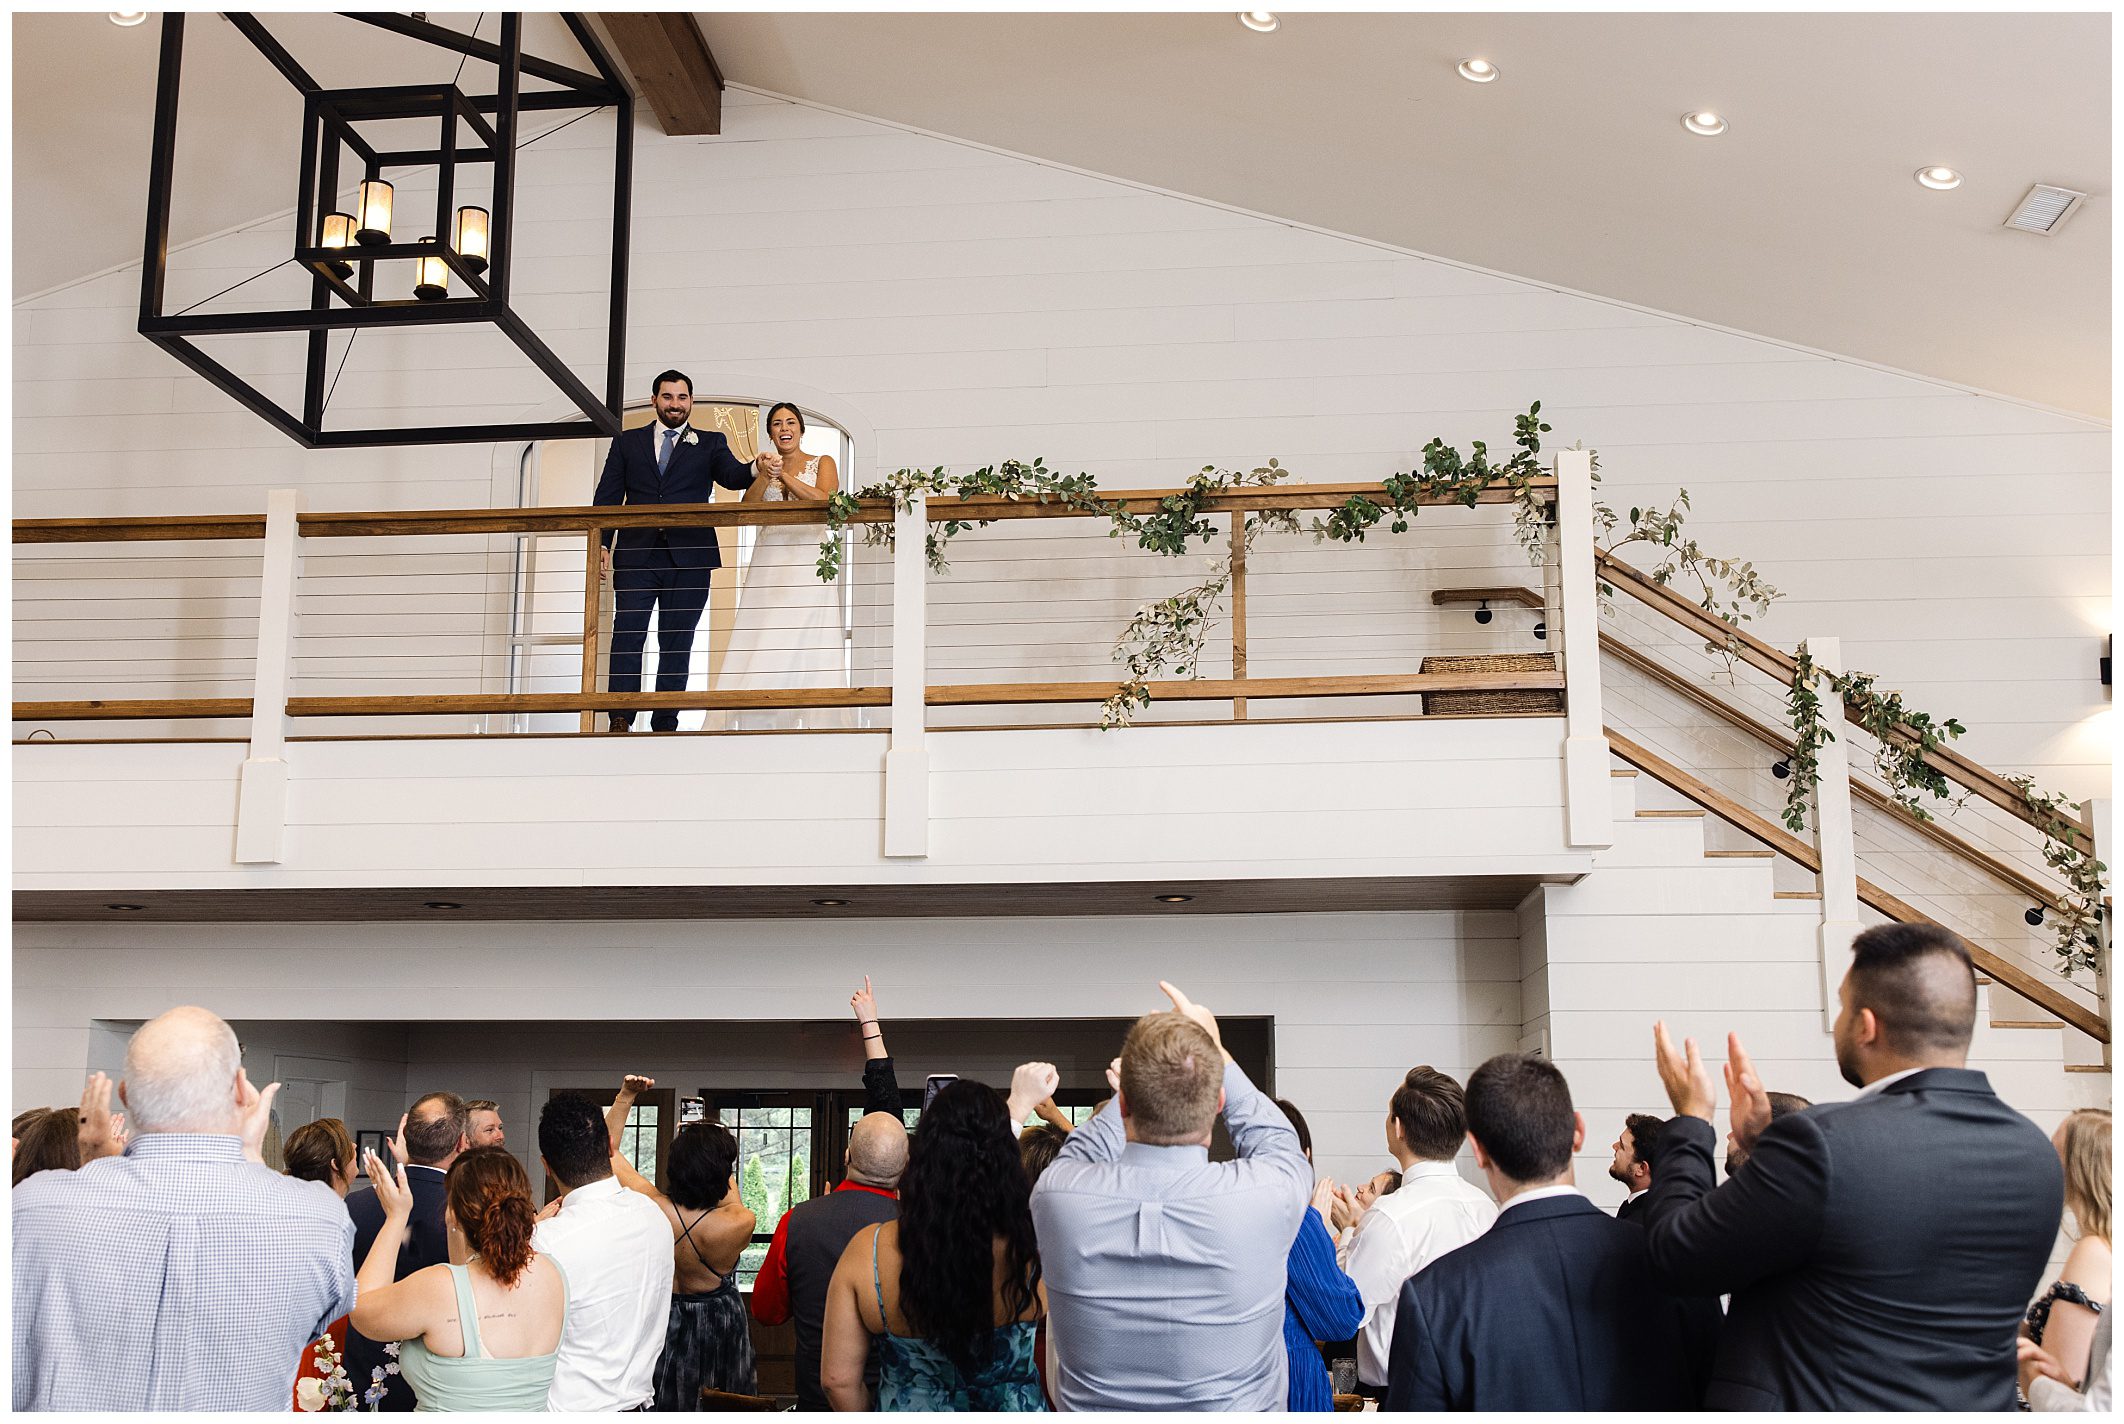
(338, 1333)
(770, 1288)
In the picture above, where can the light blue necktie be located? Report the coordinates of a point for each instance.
(664, 459)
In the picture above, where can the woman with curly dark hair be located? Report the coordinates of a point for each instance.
(481, 1336)
(950, 1291)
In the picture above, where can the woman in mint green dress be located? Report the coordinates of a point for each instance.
(483, 1335)
(950, 1292)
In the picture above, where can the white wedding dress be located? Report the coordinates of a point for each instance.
(788, 631)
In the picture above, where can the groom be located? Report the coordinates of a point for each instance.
(666, 569)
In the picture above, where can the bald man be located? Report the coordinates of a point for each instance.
(179, 1272)
(1924, 1199)
(811, 1236)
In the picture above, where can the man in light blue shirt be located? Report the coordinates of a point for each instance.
(184, 1274)
(1164, 1270)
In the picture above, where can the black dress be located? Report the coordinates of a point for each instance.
(707, 1344)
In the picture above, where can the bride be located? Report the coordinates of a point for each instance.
(787, 632)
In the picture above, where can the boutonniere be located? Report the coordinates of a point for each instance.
(691, 439)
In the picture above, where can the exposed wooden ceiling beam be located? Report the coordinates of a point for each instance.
(671, 63)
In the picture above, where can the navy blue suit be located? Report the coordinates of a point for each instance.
(1879, 1252)
(427, 1243)
(1553, 1308)
(662, 569)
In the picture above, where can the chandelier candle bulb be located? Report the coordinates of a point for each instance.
(431, 277)
(470, 237)
(339, 233)
(374, 206)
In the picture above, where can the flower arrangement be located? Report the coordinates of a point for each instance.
(335, 1391)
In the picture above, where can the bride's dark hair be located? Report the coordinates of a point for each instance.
(789, 406)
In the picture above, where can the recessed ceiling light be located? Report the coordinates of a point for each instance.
(1259, 21)
(1174, 899)
(829, 904)
(1703, 123)
(124, 907)
(1939, 177)
(1479, 71)
(128, 18)
(441, 905)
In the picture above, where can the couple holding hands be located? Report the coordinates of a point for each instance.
(788, 629)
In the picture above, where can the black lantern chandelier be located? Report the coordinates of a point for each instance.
(460, 271)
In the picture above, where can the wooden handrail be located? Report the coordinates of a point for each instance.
(969, 694)
(1781, 665)
(1781, 743)
(100, 709)
(1999, 968)
(576, 518)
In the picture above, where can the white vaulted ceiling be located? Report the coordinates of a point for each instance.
(1802, 222)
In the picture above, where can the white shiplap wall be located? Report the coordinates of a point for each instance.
(968, 305)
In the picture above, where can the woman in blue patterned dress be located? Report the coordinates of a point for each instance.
(950, 1292)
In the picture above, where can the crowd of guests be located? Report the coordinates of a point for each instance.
(1880, 1253)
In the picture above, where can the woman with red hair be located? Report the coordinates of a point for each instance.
(482, 1335)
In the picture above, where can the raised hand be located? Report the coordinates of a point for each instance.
(398, 1141)
(1029, 1083)
(1052, 1115)
(1750, 1112)
(254, 1115)
(1188, 1008)
(865, 1004)
(1113, 1075)
(100, 1133)
(634, 1085)
(392, 1192)
(1687, 1079)
(1324, 1198)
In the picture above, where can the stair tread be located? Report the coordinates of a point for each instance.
(1796, 894)
(1740, 854)
(1612, 771)
(2026, 1023)
(2087, 1067)
(1670, 815)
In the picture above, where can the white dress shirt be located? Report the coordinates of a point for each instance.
(1434, 1210)
(1879, 1083)
(615, 1247)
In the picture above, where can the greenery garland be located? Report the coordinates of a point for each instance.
(1167, 636)
(1902, 738)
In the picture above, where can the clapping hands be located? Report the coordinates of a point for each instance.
(1691, 1090)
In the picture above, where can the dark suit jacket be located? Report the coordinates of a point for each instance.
(631, 477)
(427, 1244)
(1552, 1308)
(1632, 1208)
(1879, 1252)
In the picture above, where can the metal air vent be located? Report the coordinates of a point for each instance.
(2045, 209)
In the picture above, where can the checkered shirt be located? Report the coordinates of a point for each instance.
(179, 1276)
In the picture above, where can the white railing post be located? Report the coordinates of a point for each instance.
(262, 791)
(1834, 839)
(2095, 816)
(1587, 804)
(907, 755)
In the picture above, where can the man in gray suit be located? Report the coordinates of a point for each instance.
(1879, 1252)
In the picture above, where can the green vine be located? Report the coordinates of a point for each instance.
(2079, 929)
(1902, 739)
(1013, 480)
(1447, 476)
